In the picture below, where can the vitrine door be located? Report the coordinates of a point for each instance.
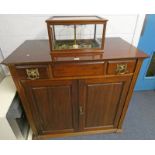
(101, 102)
(53, 105)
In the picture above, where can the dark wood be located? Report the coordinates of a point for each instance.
(95, 32)
(23, 98)
(47, 136)
(78, 69)
(50, 36)
(76, 52)
(53, 102)
(131, 88)
(101, 108)
(74, 97)
(103, 36)
(112, 66)
(43, 71)
(38, 50)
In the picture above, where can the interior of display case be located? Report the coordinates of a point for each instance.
(84, 36)
(74, 35)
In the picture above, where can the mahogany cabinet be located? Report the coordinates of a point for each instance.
(75, 95)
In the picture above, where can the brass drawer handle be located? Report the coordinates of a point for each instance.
(32, 74)
(122, 69)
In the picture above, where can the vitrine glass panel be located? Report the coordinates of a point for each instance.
(82, 36)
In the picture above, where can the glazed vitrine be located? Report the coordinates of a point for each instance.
(76, 34)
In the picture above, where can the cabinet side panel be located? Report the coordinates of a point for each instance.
(23, 98)
(131, 88)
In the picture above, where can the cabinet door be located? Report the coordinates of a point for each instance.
(53, 105)
(101, 102)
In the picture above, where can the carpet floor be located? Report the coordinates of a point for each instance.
(139, 123)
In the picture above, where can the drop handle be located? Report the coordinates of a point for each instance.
(81, 110)
(122, 69)
(32, 74)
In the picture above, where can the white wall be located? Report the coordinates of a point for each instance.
(15, 29)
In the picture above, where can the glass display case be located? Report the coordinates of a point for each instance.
(76, 34)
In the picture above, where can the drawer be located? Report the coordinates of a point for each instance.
(78, 69)
(121, 67)
(32, 72)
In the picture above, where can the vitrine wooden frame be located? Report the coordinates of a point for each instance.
(51, 34)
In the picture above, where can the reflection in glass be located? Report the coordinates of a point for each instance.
(82, 36)
(151, 69)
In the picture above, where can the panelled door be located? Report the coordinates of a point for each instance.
(76, 105)
(53, 105)
(101, 102)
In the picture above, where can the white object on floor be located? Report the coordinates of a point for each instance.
(30, 135)
(7, 94)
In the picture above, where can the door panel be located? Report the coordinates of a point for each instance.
(102, 102)
(101, 98)
(53, 105)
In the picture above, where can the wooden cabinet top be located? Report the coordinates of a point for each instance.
(34, 51)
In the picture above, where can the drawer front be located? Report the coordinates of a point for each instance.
(32, 72)
(121, 67)
(78, 69)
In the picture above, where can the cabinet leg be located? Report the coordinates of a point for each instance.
(35, 137)
(119, 130)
